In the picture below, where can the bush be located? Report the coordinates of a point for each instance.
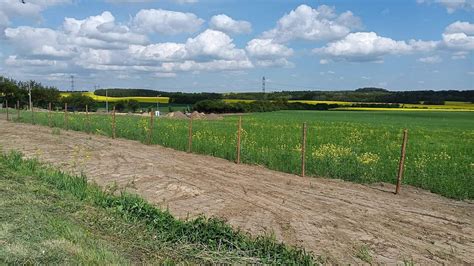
(78, 102)
(127, 105)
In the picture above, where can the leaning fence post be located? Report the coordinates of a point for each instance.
(303, 151)
(190, 139)
(113, 123)
(50, 124)
(150, 131)
(402, 161)
(18, 110)
(239, 133)
(65, 116)
(6, 103)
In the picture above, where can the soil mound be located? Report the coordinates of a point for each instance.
(213, 116)
(177, 115)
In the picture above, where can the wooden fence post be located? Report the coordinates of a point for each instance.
(32, 114)
(113, 123)
(303, 151)
(8, 116)
(402, 161)
(65, 117)
(50, 124)
(150, 131)
(239, 136)
(18, 110)
(190, 139)
(88, 124)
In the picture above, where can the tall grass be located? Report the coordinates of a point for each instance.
(356, 146)
(211, 233)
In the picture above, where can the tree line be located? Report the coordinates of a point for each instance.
(13, 92)
(17, 91)
(220, 106)
(365, 95)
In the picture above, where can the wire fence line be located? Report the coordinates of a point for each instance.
(205, 137)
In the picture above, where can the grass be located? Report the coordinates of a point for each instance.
(360, 147)
(48, 217)
(363, 253)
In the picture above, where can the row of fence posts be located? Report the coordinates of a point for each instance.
(239, 137)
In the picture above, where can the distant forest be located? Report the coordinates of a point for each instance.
(366, 95)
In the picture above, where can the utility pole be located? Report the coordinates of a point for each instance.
(72, 82)
(263, 88)
(157, 105)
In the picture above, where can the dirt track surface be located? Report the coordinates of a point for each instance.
(332, 218)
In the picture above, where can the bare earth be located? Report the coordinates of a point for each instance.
(332, 218)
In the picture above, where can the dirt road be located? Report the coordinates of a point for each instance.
(338, 220)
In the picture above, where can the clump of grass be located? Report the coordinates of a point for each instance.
(363, 253)
(210, 233)
(56, 131)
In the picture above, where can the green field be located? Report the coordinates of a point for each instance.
(356, 146)
(48, 217)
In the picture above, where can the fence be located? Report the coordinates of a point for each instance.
(146, 129)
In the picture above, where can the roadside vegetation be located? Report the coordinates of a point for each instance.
(48, 217)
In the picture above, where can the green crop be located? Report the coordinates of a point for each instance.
(360, 146)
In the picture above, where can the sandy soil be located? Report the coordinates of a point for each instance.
(331, 218)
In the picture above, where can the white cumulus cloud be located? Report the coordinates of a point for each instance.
(214, 44)
(268, 53)
(229, 25)
(363, 46)
(101, 32)
(312, 24)
(459, 36)
(166, 22)
(368, 47)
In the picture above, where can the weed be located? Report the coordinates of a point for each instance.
(363, 253)
(56, 131)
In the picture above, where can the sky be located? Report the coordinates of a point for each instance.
(229, 45)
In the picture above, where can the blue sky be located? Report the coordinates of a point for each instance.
(210, 45)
